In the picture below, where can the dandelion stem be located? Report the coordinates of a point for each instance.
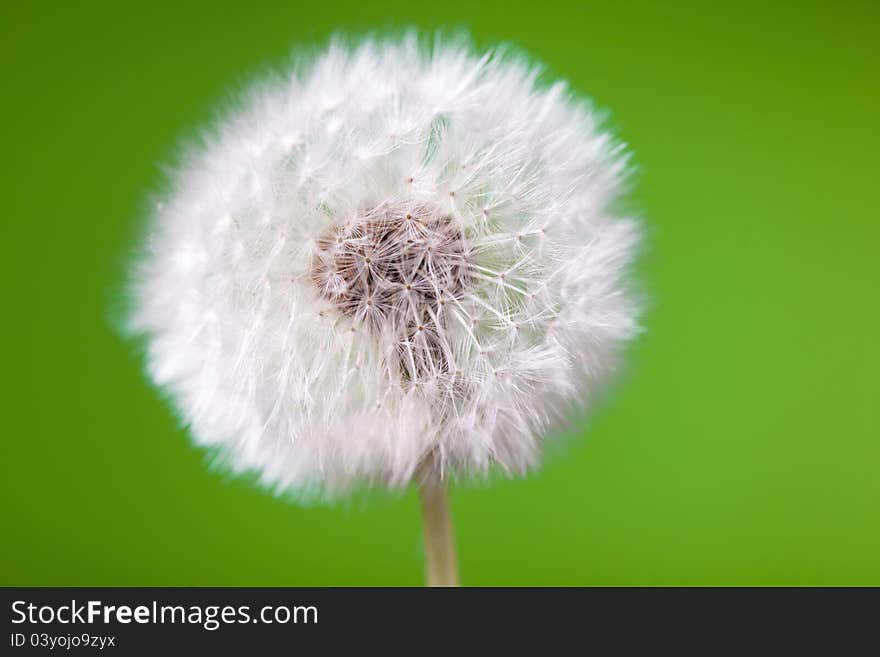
(440, 561)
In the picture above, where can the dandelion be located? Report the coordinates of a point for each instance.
(396, 264)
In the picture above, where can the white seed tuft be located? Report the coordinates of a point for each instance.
(398, 252)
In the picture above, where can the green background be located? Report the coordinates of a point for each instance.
(739, 447)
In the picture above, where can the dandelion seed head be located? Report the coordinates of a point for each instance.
(392, 253)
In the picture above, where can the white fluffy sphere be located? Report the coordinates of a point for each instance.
(396, 257)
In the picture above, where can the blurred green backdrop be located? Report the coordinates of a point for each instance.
(740, 447)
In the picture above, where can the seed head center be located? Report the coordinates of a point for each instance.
(393, 270)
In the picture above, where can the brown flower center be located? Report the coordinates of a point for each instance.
(397, 272)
